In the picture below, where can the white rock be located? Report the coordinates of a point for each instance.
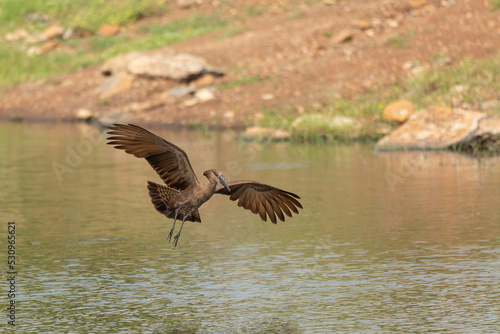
(204, 94)
(83, 114)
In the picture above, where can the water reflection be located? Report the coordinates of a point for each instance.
(405, 242)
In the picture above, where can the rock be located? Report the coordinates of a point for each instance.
(115, 84)
(205, 80)
(54, 31)
(68, 34)
(42, 48)
(257, 132)
(413, 67)
(486, 139)
(47, 46)
(488, 126)
(204, 94)
(119, 63)
(108, 30)
(200, 96)
(392, 23)
(84, 115)
(370, 32)
(16, 35)
(178, 67)
(267, 96)
(280, 134)
(254, 132)
(342, 36)
(398, 111)
(33, 51)
(408, 65)
(362, 24)
(184, 4)
(433, 128)
(182, 91)
(190, 102)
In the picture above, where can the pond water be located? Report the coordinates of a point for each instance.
(387, 242)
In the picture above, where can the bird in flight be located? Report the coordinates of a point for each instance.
(183, 194)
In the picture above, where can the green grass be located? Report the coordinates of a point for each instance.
(495, 4)
(18, 67)
(76, 13)
(481, 78)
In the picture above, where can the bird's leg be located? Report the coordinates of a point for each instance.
(173, 225)
(176, 238)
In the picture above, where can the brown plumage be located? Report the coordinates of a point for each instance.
(183, 193)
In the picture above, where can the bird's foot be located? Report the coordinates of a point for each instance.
(176, 239)
(170, 235)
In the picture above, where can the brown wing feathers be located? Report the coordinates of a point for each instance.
(262, 199)
(168, 160)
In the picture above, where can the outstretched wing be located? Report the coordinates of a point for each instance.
(168, 160)
(262, 199)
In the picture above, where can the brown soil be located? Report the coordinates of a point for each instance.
(294, 48)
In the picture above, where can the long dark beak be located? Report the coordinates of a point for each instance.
(223, 182)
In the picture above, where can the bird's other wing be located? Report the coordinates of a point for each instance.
(262, 199)
(168, 160)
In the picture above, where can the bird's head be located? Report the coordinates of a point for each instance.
(215, 175)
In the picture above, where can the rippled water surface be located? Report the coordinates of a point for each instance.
(387, 242)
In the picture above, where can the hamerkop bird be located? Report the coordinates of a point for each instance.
(183, 193)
